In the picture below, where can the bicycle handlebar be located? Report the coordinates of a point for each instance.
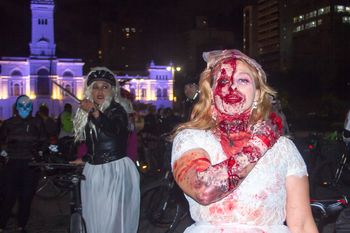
(58, 165)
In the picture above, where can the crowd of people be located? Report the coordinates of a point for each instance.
(230, 157)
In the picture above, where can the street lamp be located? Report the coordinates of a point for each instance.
(174, 69)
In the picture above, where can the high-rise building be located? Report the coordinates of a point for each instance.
(265, 34)
(307, 38)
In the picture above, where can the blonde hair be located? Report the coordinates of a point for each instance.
(81, 117)
(201, 116)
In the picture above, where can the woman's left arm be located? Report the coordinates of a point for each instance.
(299, 215)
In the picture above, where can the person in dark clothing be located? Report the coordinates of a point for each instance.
(22, 137)
(49, 123)
(110, 193)
(191, 91)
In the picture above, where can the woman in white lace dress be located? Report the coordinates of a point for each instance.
(239, 175)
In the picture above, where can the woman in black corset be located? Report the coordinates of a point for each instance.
(110, 193)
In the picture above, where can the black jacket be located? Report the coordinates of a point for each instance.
(23, 138)
(111, 132)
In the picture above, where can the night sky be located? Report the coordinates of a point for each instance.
(77, 22)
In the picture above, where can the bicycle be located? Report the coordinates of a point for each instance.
(163, 203)
(70, 181)
(332, 173)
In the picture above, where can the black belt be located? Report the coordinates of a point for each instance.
(102, 158)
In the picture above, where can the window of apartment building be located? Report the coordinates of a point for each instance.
(346, 19)
(319, 21)
(311, 24)
(311, 14)
(299, 28)
(298, 18)
(339, 8)
(347, 9)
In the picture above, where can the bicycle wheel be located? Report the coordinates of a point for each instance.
(160, 206)
(77, 223)
(47, 189)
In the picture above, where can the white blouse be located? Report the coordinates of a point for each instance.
(258, 204)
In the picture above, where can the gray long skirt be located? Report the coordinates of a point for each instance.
(111, 197)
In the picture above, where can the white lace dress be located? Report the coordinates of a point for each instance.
(258, 204)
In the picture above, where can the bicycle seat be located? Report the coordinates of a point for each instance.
(329, 207)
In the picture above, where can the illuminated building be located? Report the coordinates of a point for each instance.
(32, 75)
(154, 87)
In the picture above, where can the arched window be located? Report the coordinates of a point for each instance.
(68, 74)
(16, 73)
(43, 83)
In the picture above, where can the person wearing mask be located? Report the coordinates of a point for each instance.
(22, 138)
(238, 173)
(110, 193)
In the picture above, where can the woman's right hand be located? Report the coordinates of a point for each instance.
(77, 162)
(87, 105)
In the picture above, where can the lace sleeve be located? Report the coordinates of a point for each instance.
(184, 141)
(296, 164)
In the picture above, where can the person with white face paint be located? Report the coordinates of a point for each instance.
(238, 174)
(110, 193)
(22, 138)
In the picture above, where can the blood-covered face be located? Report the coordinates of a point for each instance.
(234, 87)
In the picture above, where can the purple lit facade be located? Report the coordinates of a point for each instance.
(32, 75)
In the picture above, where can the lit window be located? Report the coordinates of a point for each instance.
(339, 8)
(127, 35)
(133, 29)
(310, 15)
(347, 9)
(319, 22)
(127, 29)
(346, 19)
(320, 11)
(311, 24)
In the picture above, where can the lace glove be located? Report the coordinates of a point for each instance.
(264, 135)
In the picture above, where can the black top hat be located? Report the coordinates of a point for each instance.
(101, 74)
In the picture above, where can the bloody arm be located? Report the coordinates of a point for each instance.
(207, 183)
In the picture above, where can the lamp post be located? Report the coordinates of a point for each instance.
(174, 69)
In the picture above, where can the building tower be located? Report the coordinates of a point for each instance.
(43, 42)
